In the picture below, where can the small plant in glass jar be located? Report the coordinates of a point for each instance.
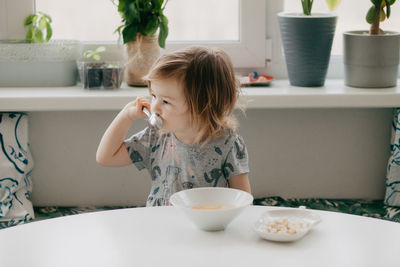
(96, 73)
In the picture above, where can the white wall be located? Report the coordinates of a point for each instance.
(333, 153)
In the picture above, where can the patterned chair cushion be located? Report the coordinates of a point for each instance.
(15, 169)
(392, 196)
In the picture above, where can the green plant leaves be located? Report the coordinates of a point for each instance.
(100, 49)
(371, 15)
(39, 28)
(29, 34)
(49, 32)
(144, 17)
(162, 36)
(307, 6)
(46, 16)
(132, 14)
(129, 33)
(332, 4)
(387, 9)
(157, 4)
(37, 36)
(377, 3)
(95, 55)
(151, 27)
(30, 19)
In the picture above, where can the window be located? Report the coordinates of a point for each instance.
(237, 26)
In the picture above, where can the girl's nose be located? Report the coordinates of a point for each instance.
(155, 107)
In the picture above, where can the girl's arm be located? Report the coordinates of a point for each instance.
(241, 182)
(112, 150)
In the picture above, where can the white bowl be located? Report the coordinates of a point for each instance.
(286, 225)
(211, 208)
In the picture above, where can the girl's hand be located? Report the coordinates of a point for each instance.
(134, 109)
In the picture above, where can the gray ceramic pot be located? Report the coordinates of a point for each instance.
(371, 60)
(307, 43)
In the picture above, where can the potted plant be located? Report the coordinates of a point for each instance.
(307, 41)
(37, 60)
(141, 19)
(95, 73)
(371, 57)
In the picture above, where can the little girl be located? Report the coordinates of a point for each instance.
(194, 92)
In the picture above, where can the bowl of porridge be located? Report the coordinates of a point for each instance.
(211, 208)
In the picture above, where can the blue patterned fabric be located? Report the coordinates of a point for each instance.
(392, 196)
(15, 170)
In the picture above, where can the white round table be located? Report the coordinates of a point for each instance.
(163, 236)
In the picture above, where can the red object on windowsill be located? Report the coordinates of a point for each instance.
(254, 79)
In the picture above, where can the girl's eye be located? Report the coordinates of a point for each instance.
(153, 96)
(165, 102)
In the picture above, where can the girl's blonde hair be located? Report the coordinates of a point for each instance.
(209, 86)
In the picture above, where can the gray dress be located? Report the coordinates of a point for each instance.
(175, 166)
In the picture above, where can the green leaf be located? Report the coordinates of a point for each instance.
(387, 9)
(129, 33)
(49, 32)
(29, 20)
(42, 23)
(307, 6)
(29, 35)
(382, 15)
(162, 36)
(144, 17)
(100, 49)
(371, 15)
(121, 5)
(118, 30)
(38, 25)
(332, 4)
(46, 16)
(87, 54)
(391, 2)
(96, 57)
(377, 3)
(157, 3)
(151, 27)
(132, 14)
(37, 35)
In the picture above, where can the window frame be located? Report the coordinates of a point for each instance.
(12, 26)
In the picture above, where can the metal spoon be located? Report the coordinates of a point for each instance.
(154, 119)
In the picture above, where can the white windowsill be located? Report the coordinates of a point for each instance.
(279, 95)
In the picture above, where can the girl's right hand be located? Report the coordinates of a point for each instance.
(134, 110)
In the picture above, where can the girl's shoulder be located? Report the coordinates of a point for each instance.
(228, 140)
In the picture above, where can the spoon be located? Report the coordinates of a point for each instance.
(154, 119)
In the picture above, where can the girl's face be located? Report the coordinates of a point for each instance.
(170, 104)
